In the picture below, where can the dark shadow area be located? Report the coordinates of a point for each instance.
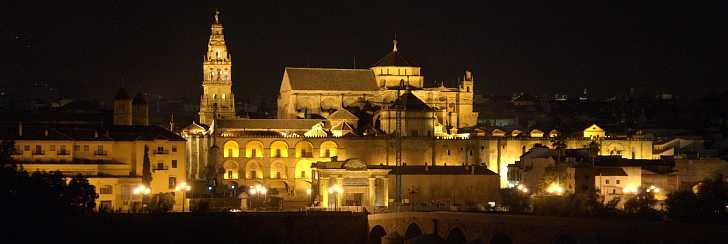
(376, 234)
(456, 236)
(500, 238)
(413, 230)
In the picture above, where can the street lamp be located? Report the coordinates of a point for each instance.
(143, 191)
(336, 190)
(653, 189)
(184, 188)
(555, 188)
(522, 188)
(258, 190)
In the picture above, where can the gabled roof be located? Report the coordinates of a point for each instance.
(342, 114)
(409, 101)
(330, 79)
(343, 126)
(394, 59)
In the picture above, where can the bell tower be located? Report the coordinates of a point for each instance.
(217, 100)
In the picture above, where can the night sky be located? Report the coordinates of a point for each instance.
(90, 49)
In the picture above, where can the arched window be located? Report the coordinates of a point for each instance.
(304, 149)
(279, 149)
(253, 170)
(303, 169)
(277, 170)
(231, 149)
(254, 149)
(231, 170)
(327, 149)
(217, 54)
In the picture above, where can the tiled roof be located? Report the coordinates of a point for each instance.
(437, 170)
(87, 132)
(267, 124)
(342, 114)
(611, 171)
(409, 101)
(394, 59)
(331, 79)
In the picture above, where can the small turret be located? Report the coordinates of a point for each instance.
(140, 110)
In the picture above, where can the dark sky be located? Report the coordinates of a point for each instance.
(90, 49)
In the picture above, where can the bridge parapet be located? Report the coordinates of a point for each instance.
(494, 228)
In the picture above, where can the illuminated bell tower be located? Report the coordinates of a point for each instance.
(217, 101)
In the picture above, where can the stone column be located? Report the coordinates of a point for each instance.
(324, 191)
(372, 194)
(339, 196)
(385, 185)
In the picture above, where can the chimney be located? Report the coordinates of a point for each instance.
(20, 128)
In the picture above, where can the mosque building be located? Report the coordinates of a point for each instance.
(364, 131)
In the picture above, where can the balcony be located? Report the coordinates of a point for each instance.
(160, 167)
(161, 151)
(36, 152)
(100, 153)
(63, 153)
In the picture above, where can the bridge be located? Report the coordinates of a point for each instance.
(464, 227)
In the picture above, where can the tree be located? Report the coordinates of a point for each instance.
(161, 202)
(7, 147)
(705, 204)
(642, 205)
(515, 200)
(146, 168)
(682, 205)
(80, 195)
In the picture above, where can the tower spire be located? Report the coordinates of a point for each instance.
(217, 17)
(394, 43)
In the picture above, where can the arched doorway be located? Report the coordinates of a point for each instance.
(375, 236)
(413, 230)
(456, 236)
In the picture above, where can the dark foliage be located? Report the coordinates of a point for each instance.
(515, 200)
(707, 204)
(161, 202)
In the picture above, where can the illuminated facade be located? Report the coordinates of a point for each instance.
(109, 156)
(321, 91)
(320, 129)
(217, 100)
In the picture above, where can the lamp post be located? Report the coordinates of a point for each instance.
(143, 191)
(184, 188)
(310, 197)
(336, 190)
(258, 191)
